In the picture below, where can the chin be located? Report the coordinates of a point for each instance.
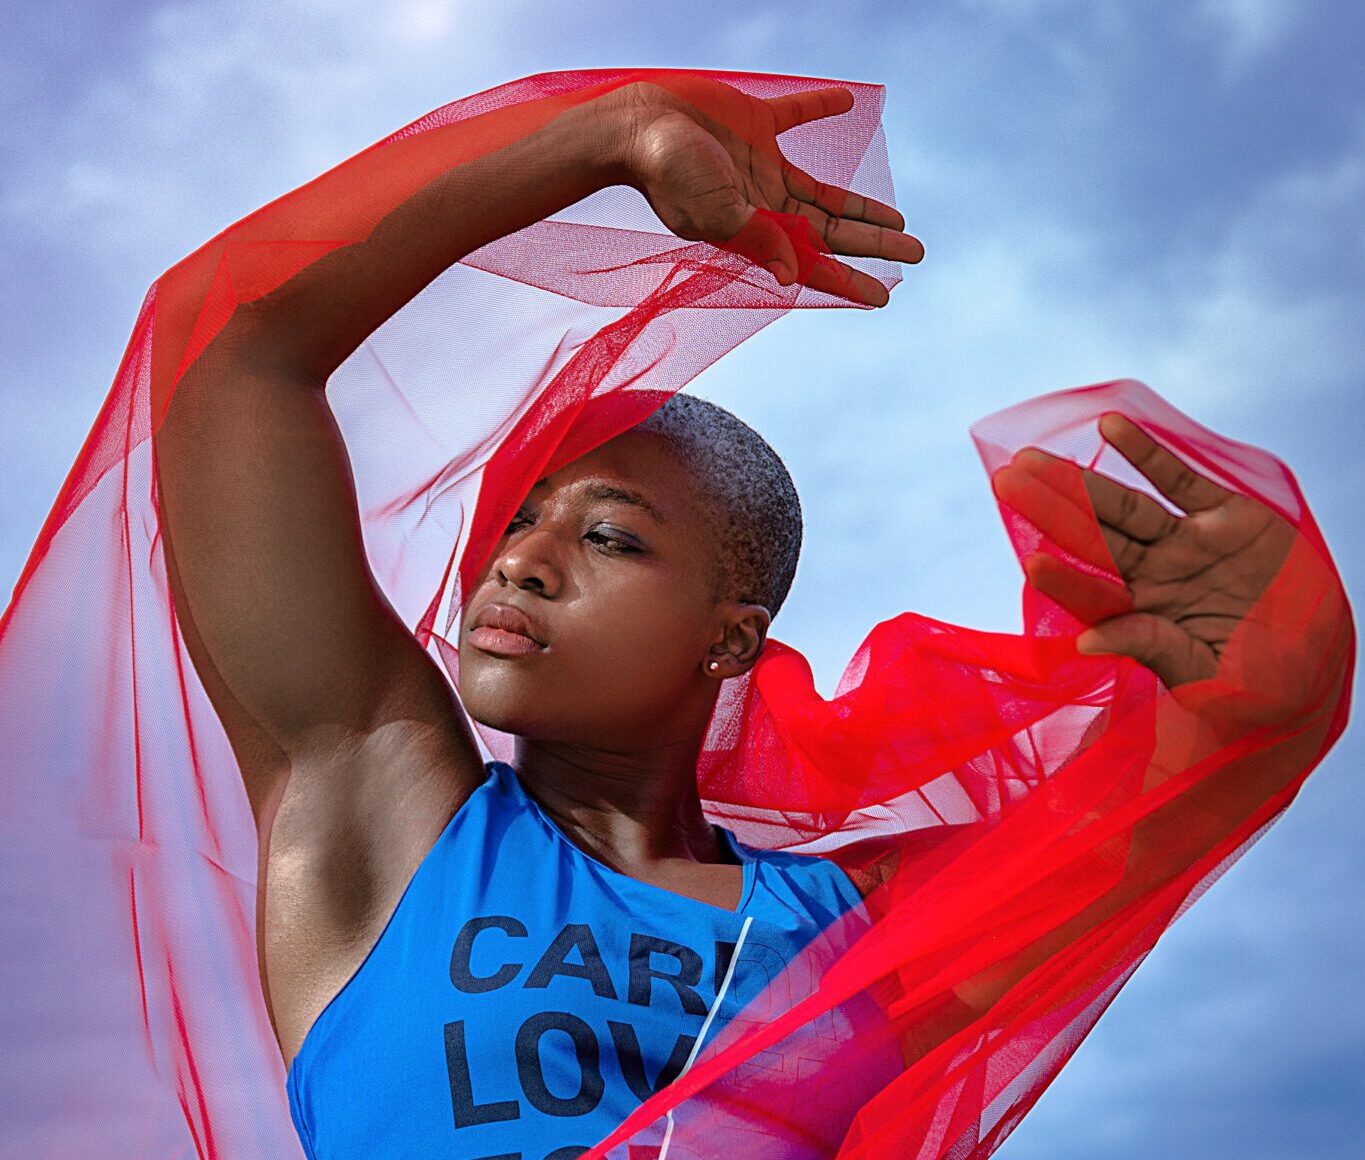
(497, 700)
(490, 709)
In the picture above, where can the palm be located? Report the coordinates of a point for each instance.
(1188, 580)
(707, 157)
(694, 183)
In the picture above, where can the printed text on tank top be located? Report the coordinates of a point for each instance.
(525, 997)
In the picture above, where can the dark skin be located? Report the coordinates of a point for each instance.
(611, 713)
(352, 747)
(1189, 580)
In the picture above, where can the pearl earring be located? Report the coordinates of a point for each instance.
(713, 665)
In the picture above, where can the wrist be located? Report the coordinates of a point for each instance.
(602, 136)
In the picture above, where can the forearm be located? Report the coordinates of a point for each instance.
(1227, 755)
(1170, 842)
(267, 568)
(308, 325)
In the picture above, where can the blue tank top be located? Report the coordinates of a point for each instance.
(524, 997)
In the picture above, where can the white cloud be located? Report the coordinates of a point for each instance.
(1244, 30)
(419, 22)
(872, 411)
(1274, 304)
(754, 32)
(226, 105)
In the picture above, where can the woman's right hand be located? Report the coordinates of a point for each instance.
(706, 157)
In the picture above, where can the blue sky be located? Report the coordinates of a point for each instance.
(1168, 191)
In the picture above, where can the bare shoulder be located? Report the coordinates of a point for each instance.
(353, 818)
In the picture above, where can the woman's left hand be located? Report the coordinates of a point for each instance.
(1189, 580)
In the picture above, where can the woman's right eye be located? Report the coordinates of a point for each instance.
(517, 521)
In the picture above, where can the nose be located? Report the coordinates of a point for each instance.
(526, 562)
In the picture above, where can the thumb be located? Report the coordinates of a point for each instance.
(1159, 644)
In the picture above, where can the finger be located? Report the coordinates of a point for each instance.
(839, 202)
(843, 281)
(1126, 510)
(859, 239)
(765, 243)
(1160, 644)
(797, 108)
(1088, 598)
(1049, 493)
(1175, 479)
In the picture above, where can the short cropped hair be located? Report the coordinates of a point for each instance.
(749, 492)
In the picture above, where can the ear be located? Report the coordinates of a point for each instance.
(740, 643)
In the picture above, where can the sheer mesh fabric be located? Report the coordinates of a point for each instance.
(992, 791)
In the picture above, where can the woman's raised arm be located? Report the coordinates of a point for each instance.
(350, 742)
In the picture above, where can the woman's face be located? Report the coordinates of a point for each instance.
(594, 619)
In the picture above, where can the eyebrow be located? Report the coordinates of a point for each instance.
(606, 493)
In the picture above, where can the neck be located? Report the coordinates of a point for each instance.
(632, 809)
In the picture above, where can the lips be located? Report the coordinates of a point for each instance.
(503, 630)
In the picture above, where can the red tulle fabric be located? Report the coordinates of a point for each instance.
(997, 786)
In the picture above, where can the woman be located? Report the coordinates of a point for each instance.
(599, 625)
(632, 583)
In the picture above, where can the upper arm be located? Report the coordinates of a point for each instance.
(352, 745)
(298, 650)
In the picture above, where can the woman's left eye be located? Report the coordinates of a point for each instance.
(609, 541)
